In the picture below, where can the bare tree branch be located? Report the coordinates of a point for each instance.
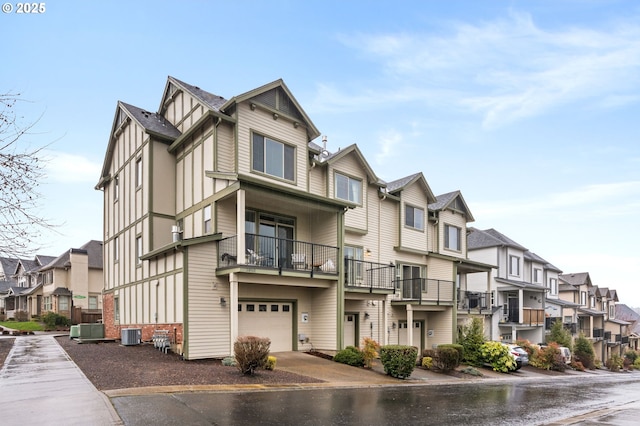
(21, 172)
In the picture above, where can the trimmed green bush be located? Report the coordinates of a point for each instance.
(447, 359)
(251, 353)
(427, 362)
(583, 352)
(614, 363)
(350, 356)
(497, 355)
(53, 320)
(560, 335)
(471, 337)
(458, 347)
(398, 360)
(271, 363)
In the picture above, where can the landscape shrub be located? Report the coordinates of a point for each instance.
(549, 358)
(498, 357)
(271, 363)
(398, 360)
(251, 353)
(614, 363)
(427, 362)
(350, 356)
(631, 355)
(529, 347)
(472, 371)
(229, 361)
(53, 320)
(446, 359)
(21, 316)
(369, 351)
(577, 365)
(471, 337)
(636, 364)
(458, 347)
(560, 335)
(583, 352)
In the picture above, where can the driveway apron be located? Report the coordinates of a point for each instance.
(41, 385)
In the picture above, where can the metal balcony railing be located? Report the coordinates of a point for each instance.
(369, 275)
(279, 253)
(425, 290)
(598, 333)
(473, 300)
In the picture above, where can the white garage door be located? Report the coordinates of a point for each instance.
(267, 319)
(416, 332)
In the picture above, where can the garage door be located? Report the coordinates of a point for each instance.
(416, 332)
(267, 319)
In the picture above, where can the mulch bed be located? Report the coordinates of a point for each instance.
(5, 348)
(109, 365)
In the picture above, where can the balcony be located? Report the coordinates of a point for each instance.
(530, 316)
(598, 333)
(571, 326)
(369, 275)
(270, 253)
(473, 300)
(425, 291)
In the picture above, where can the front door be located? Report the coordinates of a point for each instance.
(350, 334)
(514, 309)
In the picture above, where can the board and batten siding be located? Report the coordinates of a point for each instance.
(207, 321)
(280, 130)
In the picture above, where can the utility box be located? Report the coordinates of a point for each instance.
(130, 336)
(91, 331)
(74, 332)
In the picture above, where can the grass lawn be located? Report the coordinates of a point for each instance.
(22, 326)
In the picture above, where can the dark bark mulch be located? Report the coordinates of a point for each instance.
(109, 365)
(5, 348)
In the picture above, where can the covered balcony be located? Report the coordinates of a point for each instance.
(474, 301)
(371, 276)
(278, 254)
(425, 291)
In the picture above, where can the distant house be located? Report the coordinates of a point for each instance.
(24, 293)
(72, 283)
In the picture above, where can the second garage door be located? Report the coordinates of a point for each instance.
(267, 319)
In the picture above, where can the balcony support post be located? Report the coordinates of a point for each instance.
(240, 232)
(409, 325)
(233, 309)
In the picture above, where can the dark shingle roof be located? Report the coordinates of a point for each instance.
(93, 249)
(443, 200)
(490, 238)
(152, 122)
(8, 265)
(400, 183)
(529, 255)
(576, 278)
(212, 101)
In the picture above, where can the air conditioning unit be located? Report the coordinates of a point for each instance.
(130, 336)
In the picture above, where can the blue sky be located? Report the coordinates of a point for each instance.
(528, 107)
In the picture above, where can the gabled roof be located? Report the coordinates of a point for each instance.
(522, 284)
(8, 265)
(353, 149)
(294, 107)
(561, 302)
(490, 238)
(398, 185)
(93, 249)
(5, 286)
(531, 256)
(152, 122)
(625, 313)
(451, 200)
(575, 279)
(209, 100)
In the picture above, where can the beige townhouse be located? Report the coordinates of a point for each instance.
(223, 218)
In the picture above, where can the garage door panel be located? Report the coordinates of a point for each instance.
(267, 319)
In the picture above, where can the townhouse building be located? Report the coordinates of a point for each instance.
(223, 218)
(515, 293)
(24, 292)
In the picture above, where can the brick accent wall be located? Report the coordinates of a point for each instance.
(113, 330)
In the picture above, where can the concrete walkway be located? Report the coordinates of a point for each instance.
(39, 384)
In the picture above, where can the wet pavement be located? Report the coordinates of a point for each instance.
(39, 384)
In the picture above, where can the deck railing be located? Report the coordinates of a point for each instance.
(369, 275)
(425, 290)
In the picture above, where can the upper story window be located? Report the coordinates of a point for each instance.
(116, 188)
(612, 310)
(592, 302)
(116, 250)
(138, 251)
(414, 217)
(452, 238)
(138, 172)
(553, 286)
(583, 298)
(348, 188)
(207, 219)
(514, 266)
(273, 158)
(93, 302)
(537, 275)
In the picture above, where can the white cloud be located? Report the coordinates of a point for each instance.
(71, 168)
(504, 70)
(387, 144)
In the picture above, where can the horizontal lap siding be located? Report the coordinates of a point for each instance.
(225, 149)
(207, 321)
(413, 238)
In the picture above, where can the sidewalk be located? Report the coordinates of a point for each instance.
(39, 384)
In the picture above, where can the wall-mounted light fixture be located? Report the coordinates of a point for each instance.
(393, 325)
(367, 252)
(223, 301)
(366, 315)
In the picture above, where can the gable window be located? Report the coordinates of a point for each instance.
(207, 219)
(553, 286)
(347, 188)
(452, 237)
(273, 158)
(583, 298)
(414, 217)
(612, 310)
(592, 302)
(138, 172)
(514, 266)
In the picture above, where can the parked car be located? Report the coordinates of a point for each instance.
(519, 354)
(566, 354)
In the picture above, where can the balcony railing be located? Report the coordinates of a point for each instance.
(607, 335)
(598, 333)
(473, 300)
(571, 326)
(549, 321)
(532, 316)
(618, 338)
(624, 340)
(369, 275)
(279, 253)
(425, 290)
